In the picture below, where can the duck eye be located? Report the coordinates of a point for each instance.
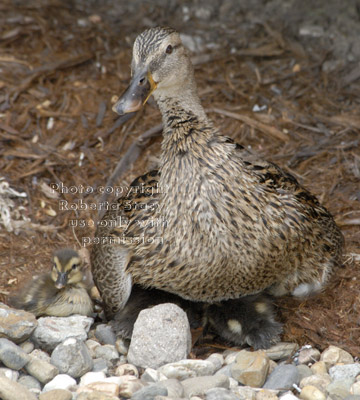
(169, 49)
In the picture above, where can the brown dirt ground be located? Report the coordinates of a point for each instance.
(61, 63)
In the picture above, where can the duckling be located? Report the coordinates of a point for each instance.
(215, 222)
(245, 321)
(60, 292)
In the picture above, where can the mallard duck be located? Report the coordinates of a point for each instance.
(61, 292)
(215, 222)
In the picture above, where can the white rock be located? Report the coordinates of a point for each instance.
(347, 371)
(185, 369)
(91, 377)
(60, 381)
(161, 335)
(288, 396)
(52, 331)
(9, 373)
(151, 375)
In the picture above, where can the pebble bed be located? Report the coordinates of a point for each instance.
(71, 358)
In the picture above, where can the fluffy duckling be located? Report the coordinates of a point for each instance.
(215, 222)
(61, 292)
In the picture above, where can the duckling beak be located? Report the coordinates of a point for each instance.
(61, 280)
(137, 94)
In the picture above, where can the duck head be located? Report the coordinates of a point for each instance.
(67, 268)
(160, 64)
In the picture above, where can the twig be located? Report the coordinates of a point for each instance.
(128, 159)
(270, 130)
(49, 68)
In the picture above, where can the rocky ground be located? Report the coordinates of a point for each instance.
(70, 358)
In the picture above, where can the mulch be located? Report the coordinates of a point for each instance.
(63, 63)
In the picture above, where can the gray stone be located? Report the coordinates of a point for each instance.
(10, 390)
(200, 385)
(340, 388)
(173, 386)
(347, 371)
(282, 378)
(52, 331)
(220, 394)
(353, 397)
(60, 381)
(56, 394)
(72, 357)
(107, 352)
(16, 325)
(105, 334)
(41, 370)
(30, 382)
(161, 335)
(9, 373)
(281, 350)
(99, 364)
(304, 371)
(11, 355)
(42, 355)
(185, 369)
(217, 359)
(149, 392)
(225, 370)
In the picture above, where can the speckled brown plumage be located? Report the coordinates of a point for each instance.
(215, 222)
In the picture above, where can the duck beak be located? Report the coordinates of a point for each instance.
(61, 280)
(137, 94)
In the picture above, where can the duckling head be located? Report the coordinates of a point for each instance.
(67, 268)
(160, 64)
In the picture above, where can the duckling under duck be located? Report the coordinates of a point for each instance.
(215, 222)
(61, 292)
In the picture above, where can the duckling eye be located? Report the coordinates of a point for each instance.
(169, 49)
(74, 266)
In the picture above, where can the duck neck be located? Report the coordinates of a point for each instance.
(186, 125)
